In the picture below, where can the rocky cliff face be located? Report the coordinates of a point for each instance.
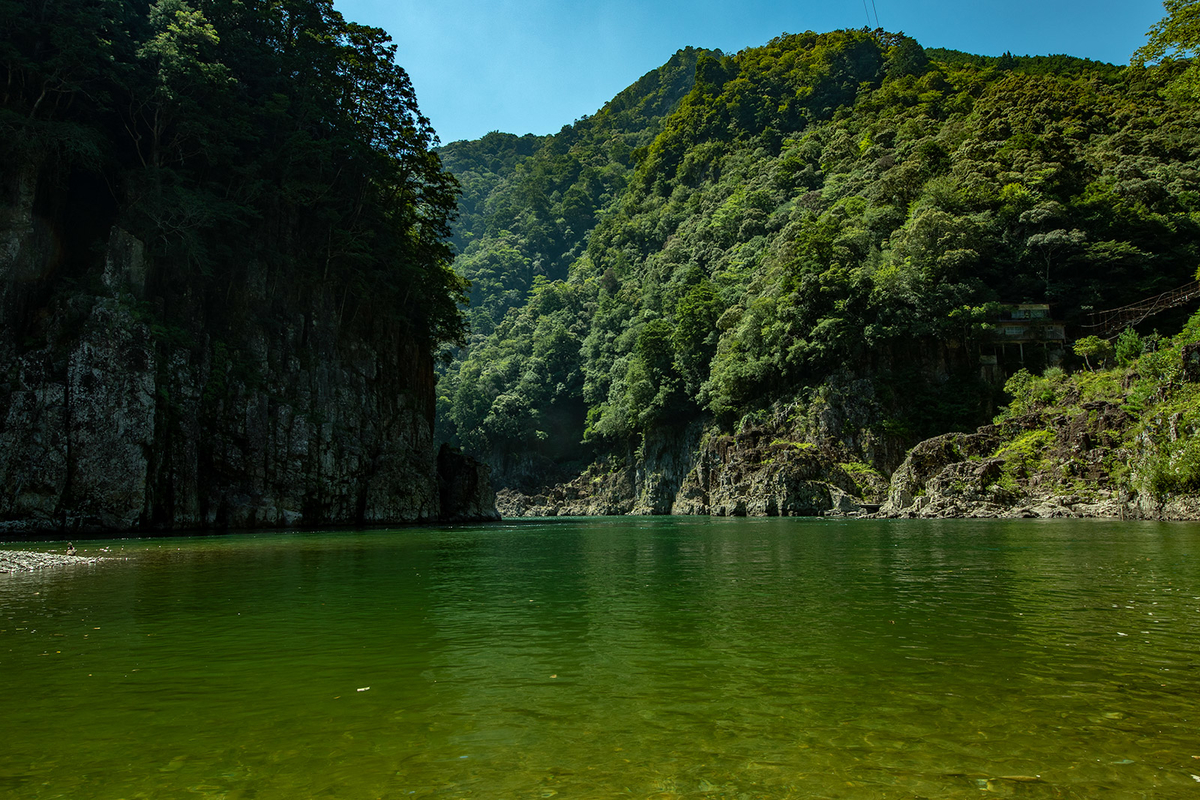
(643, 482)
(464, 488)
(758, 474)
(1088, 461)
(1119, 444)
(112, 419)
(763, 470)
(1046, 463)
(825, 453)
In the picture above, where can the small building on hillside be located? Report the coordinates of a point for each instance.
(1023, 333)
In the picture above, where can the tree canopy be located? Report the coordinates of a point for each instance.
(1175, 36)
(223, 133)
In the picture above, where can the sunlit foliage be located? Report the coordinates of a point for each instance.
(836, 201)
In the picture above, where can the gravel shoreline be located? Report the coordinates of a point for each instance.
(27, 561)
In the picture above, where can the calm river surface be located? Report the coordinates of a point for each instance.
(607, 658)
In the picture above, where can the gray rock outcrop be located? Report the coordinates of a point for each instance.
(113, 420)
(1042, 464)
(757, 474)
(950, 463)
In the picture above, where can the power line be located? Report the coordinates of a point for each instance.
(876, 13)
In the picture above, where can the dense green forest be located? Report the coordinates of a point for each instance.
(734, 230)
(528, 203)
(221, 134)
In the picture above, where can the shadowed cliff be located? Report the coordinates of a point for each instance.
(224, 271)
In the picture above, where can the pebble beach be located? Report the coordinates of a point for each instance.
(28, 561)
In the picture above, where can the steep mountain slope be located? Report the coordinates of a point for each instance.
(529, 202)
(817, 244)
(527, 208)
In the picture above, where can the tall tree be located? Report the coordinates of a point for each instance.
(1175, 36)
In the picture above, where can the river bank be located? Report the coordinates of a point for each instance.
(30, 561)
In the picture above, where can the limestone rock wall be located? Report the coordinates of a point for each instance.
(756, 473)
(759, 472)
(111, 420)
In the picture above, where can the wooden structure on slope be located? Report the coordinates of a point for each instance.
(1020, 325)
(1027, 323)
(1107, 324)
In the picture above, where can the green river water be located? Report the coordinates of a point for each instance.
(628, 657)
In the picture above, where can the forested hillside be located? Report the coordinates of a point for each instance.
(820, 233)
(528, 203)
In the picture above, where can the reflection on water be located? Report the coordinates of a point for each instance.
(595, 658)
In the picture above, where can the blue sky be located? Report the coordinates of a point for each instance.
(532, 66)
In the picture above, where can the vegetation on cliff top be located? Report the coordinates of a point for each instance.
(223, 134)
(1149, 391)
(826, 202)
